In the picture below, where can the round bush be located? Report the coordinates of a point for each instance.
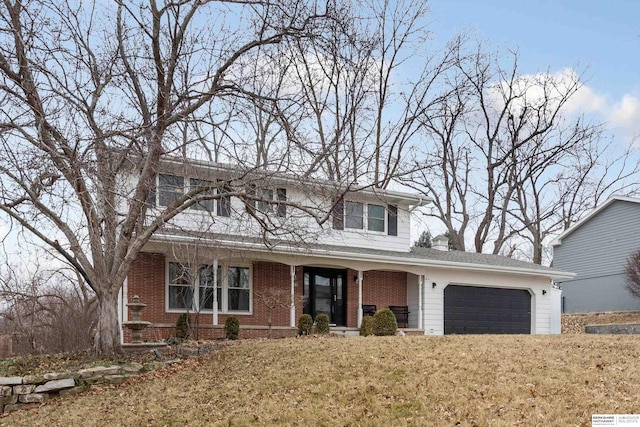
(305, 323)
(232, 328)
(384, 323)
(322, 324)
(366, 327)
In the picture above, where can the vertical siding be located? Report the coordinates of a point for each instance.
(597, 251)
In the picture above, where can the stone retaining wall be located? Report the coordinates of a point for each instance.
(626, 328)
(19, 392)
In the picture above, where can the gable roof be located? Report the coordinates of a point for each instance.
(558, 240)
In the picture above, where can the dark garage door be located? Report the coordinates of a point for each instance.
(476, 310)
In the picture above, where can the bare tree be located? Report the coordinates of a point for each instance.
(271, 299)
(632, 270)
(47, 312)
(91, 92)
(505, 156)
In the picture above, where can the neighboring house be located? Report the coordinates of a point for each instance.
(597, 248)
(361, 256)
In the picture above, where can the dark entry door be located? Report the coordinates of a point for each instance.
(479, 310)
(325, 293)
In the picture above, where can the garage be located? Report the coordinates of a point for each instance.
(482, 310)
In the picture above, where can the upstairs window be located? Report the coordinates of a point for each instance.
(353, 215)
(203, 205)
(224, 202)
(170, 189)
(375, 218)
(271, 201)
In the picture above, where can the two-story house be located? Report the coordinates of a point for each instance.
(320, 249)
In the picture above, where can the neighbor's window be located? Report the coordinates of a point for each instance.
(353, 215)
(375, 217)
(180, 289)
(170, 189)
(239, 289)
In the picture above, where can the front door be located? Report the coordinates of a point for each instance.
(325, 293)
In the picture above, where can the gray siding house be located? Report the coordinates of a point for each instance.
(597, 248)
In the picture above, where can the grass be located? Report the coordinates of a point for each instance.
(470, 380)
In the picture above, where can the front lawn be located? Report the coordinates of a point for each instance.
(470, 380)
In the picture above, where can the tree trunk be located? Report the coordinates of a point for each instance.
(107, 337)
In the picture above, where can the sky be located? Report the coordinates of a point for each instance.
(600, 38)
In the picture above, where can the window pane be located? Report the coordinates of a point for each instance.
(206, 298)
(238, 277)
(238, 292)
(224, 202)
(265, 204)
(375, 217)
(170, 189)
(180, 297)
(282, 197)
(178, 274)
(353, 215)
(205, 205)
(238, 300)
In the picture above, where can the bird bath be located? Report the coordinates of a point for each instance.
(136, 325)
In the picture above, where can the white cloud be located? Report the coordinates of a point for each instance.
(621, 115)
(625, 115)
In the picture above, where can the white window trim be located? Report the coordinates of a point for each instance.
(385, 217)
(365, 218)
(224, 266)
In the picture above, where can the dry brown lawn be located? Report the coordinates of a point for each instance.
(436, 381)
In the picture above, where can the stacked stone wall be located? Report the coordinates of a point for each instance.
(21, 392)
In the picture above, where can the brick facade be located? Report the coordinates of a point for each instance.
(147, 279)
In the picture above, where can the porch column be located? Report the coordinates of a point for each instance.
(123, 313)
(292, 309)
(215, 291)
(421, 280)
(359, 298)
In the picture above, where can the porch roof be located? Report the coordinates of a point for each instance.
(417, 257)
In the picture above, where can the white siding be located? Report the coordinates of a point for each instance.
(434, 297)
(298, 226)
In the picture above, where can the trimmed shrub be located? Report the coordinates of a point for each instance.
(384, 323)
(183, 326)
(366, 327)
(232, 328)
(305, 323)
(322, 324)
